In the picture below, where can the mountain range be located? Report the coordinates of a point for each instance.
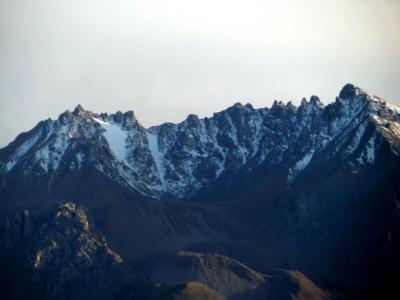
(286, 202)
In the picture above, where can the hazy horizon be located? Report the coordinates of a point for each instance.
(167, 59)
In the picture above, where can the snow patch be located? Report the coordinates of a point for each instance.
(220, 163)
(51, 154)
(393, 108)
(21, 150)
(356, 140)
(370, 153)
(100, 121)
(300, 166)
(116, 138)
(158, 158)
(80, 157)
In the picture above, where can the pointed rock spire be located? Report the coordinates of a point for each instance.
(349, 91)
(78, 109)
(316, 102)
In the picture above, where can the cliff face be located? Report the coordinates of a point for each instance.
(62, 256)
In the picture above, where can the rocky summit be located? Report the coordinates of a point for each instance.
(286, 202)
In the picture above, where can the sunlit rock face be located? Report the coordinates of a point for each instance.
(62, 257)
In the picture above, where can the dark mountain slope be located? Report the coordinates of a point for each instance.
(231, 278)
(60, 256)
(312, 188)
(162, 291)
(65, 256)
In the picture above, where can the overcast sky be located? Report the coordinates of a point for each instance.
(165, 59)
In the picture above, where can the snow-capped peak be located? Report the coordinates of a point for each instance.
(180, 159)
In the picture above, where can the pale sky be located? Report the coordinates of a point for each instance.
(166, 59)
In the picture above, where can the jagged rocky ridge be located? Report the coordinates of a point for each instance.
(312, 188)
(63, 256)
(178, 160)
